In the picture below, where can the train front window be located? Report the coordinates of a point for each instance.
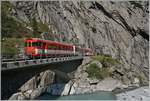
(30, 44)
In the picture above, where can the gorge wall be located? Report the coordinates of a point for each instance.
(119, 29)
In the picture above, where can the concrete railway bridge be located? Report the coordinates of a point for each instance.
(16, 73)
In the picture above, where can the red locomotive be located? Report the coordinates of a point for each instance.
(35, 47)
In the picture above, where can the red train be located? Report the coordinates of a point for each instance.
(35, 47)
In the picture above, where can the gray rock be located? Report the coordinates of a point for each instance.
(37, 92)
(31, 84)
(73, 91)
(93, 81)
(68, 88)
(108, 84)
(17, 96)
(136, 81)
(140, 94)
(125, 80)
(47, 78)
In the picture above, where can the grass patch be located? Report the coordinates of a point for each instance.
(95, 72)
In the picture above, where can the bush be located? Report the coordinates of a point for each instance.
(95, 72)
(106, 60)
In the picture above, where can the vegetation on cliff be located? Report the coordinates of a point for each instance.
(106, 60)
(11, 27)
(10, 46)
(94, 71)
(14, 30)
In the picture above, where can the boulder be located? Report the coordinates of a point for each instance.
(31, 84)
(72, 91)
(125, 80)
(17, 96)
(47, 78)
(108, 84)
(66, 89)
(30, 94)
(37, 92)
(136, 81)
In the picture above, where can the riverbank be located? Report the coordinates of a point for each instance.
(131, 93)
(139, 94)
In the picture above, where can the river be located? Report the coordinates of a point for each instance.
(93, 96)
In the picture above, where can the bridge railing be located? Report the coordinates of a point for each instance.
(24, 63)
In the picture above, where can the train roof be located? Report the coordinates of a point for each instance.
(56, 43)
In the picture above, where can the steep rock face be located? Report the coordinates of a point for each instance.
(119, 29)
(35, 86)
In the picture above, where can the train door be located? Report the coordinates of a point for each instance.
(44, 48)
(74, 51)
(28, 48)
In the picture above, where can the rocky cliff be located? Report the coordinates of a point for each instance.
(119, 29)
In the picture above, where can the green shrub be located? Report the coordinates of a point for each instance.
(95, 72)
(100, 73)
(105, 59)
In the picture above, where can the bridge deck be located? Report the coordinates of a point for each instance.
(34, 62)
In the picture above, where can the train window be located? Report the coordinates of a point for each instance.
(50, 47)
(29, 44)
(34, 44)
(39, 43)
